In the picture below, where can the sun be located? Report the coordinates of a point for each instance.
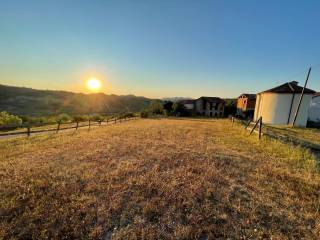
(94, 84)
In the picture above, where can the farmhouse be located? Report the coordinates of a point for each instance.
(245, 105)
(279, 105)
(188, 103)
(314, 110)
(205, 106)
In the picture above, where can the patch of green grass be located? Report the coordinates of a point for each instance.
(311, 135)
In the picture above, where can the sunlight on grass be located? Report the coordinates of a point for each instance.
(157, 179)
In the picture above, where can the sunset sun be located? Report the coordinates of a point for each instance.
(94, 84)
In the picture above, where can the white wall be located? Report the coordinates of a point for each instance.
(274, 108)
(314, 110)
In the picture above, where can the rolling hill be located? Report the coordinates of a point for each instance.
(28, 101)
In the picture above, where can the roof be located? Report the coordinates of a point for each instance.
(289, 87)
(212, 99)
(248, 95)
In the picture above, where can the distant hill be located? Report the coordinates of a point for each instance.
(28, 101)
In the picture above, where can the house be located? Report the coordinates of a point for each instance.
(314, 111)
(205, 106)
(279, 105)
(245, 105)
(188, 103)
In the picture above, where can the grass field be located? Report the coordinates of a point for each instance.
(157, 179)
(311, 135)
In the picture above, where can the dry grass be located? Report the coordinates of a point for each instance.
(157, 179)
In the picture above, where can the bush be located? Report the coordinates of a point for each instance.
(38, 121)
(80, 118)
(144, 114)
(97, 118)
(63, 118)
(126, 115)
(8, 120)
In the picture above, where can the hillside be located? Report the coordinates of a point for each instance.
(27, 101)
(157, 179)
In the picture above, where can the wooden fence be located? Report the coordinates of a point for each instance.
(251, 126)
(314, 148)
(74, 125)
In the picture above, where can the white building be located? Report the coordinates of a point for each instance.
(314, 110)
(278, 105)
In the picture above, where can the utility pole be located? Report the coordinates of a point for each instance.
(301, 97)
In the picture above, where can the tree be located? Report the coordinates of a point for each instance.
(156, 107)
(168, 107)
(179, 109)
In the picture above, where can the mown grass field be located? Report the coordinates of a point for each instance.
(157, 179)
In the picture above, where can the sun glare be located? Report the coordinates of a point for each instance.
(94, 84)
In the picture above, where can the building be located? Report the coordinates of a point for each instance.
(245, 105)
(205, 106)
(279, 105)
(314, 111)
(188, 103)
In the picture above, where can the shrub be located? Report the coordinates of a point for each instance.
(97, 118)
(144, 114)
(9, 120)
(80, 118)
(63, 118)
(126, 115)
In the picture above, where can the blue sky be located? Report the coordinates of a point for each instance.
(159, 48)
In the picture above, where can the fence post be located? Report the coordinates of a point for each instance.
(255, 125)
(248, 124)
(58, 128)
(28, 131)
(77, 125)
(260, 128)
(107, 120)
(115, 120)
(89, 123)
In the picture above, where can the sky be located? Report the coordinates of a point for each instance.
(167, 48)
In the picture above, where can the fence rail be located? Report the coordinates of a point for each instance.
(75, 126)
(267, 133)
(251, 126)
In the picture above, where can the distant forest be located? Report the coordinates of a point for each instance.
(28, 101)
